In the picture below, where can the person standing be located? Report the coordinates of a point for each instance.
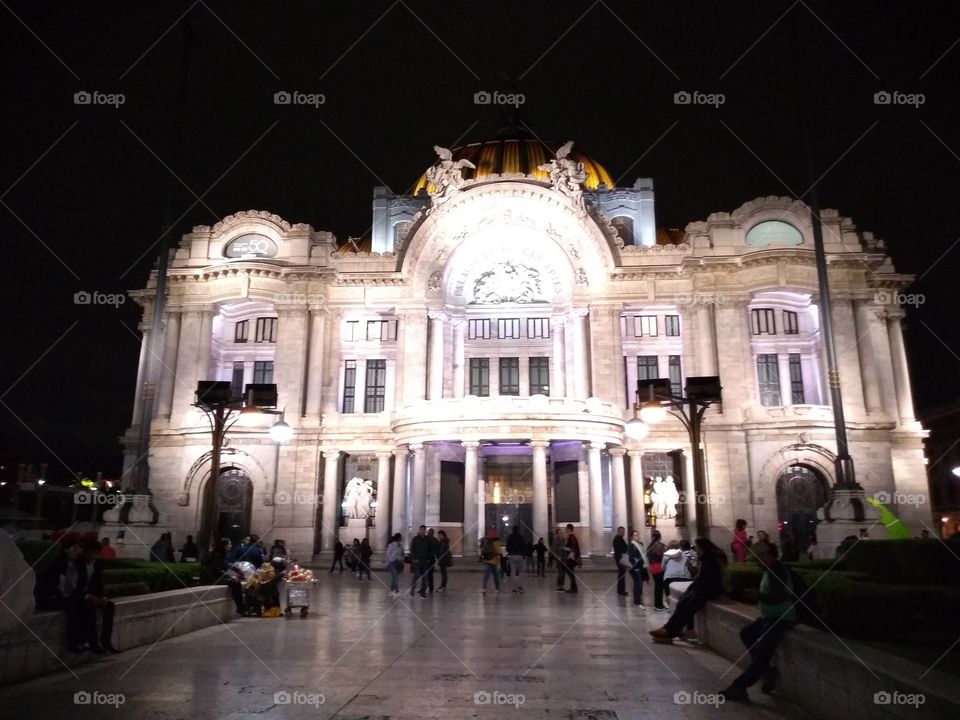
(528, 555)
(741, 541)
(778, 615)
(337, 556)
(707, 586)
(223, 575)
(490, 557)
(638, 567)
(655, 563)
(420, 560)
(434, 546)
(541, 550)
(363, 564)
(516, 546)
(95, 600)
(557, 553)
(619, 550)
(394, 562)
(189, 552)
(761, 546)
(444, 558)
(572, 561)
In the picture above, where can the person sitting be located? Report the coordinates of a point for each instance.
(162, 549)
(278, 550)
(678, 562)
(94, 600)
(707, 586)
(189, 552)
(223, 575)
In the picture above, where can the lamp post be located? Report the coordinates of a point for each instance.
(701, 393)
(216, 399)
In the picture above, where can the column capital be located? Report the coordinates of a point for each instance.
(416, 447)
(635, 453)
(436, 315)
(290, 311)
(384, 454)
(470, 444)
(401, 451)
(457, 322)
(579, 313)
(330, 454)
(540, 444)
(597, 446)
(617, 451)
(895, 314)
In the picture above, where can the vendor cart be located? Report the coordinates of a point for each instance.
(298, 596)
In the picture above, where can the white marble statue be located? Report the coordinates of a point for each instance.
(447, 175)
(567, 176)
(671, 496)
(357, 497)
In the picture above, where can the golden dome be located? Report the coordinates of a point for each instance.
(519, 155)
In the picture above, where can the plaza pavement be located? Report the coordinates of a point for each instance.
(360, 654)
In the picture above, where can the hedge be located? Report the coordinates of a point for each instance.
(156, 576)
(907, 562)
(125, 589)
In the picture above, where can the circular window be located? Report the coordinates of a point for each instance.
(773, 232)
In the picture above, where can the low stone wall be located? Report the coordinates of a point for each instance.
(831, 678)
(39, 647)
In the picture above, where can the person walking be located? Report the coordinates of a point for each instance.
(363, 565)
(444, 558)
(394, 562)
(516, 546)
(490, 557)
(778, 615)
(707, 586)
(572, 561)
(638, 567)
(420, 560)
(541, 550)
(619, 559)
(741, 541)
(337, 556)
(655, 564)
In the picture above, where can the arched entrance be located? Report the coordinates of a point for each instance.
(234, 502)
(801, 491)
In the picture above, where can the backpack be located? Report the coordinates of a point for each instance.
(486, 550)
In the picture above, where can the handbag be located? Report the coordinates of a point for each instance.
(656, 568)
(625, 561)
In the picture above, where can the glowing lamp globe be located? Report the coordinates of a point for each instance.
(281, 432)
(652, 413)
(636, 429)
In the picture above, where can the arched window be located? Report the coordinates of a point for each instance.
(624, 226)
(773, 232)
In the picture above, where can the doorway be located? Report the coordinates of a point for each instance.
(234, 502)
(801, 491)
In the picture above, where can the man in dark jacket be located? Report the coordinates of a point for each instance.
(619, 548)
(516, 547)
(420, 560)
(94, 600)
(433, 550)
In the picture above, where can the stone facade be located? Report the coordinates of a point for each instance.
(480, 372)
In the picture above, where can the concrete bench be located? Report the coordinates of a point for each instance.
(831, 678)
(39, 646)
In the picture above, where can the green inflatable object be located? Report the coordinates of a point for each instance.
(896, 530)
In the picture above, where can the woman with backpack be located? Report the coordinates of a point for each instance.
(655, 563)
(638, 567)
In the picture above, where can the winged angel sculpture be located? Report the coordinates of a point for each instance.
(447, 175)
(567, 176)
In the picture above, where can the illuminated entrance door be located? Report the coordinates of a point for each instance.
(234, 501)
(801, 491)
(508, 498)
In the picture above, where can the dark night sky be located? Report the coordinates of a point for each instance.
(400, 78)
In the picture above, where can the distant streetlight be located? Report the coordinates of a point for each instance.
(956, 471)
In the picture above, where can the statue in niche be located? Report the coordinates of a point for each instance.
(665, 497)
(447, 175)
(508, 282)
(433, 283)
(567, 176)
(357, 496)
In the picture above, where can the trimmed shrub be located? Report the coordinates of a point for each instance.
(908, 562)
(125, 589)
(157, 576)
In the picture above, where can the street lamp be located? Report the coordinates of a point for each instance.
(216, 399)
(701, 393)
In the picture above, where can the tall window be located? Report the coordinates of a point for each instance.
(647, 367)
(480, 377)
(510, 376)
(762, 321)
(263, 371)
(381, 330)
(645, 325)
(539, 376)
(266, 330)
(671, 325)
(790, 324)
(478, 329)
(796, 380)
(538, 327)
(241, 331)
(676, 379)
(508, 328)
(351, 330)
(373, 401)
(349, 385)
(768, 375)
(236, 380)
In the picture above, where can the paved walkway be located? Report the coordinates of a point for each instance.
(360, 654)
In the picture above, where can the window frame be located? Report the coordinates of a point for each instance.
(769, 324)
(509, 365)
(263, 372)
(542, 364)
(644, 363)
(514, 327)
(478, 329)
(795, 364)
(241, 331)
(768, 379)
(266, 330)
(791, 323)
(375, 393)
(349, 396)
(671, 325)
(478, 367)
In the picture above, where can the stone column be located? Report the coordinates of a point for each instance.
(142, 379)
(382, 527)
(901, 375)
(418, 488)
(558, 361)
(290, 360)
(399, 521)
(185, 383)
(848, 365)
(331, 375)
(330, 523)
(619, 489)
(581, 360)
(541, 517)
(783, 368)
(315, 368)
(868, 363)
(435, 371)
(735, 363)
(706, 341)
(471, 496)
(168, 368)
(638, 519)
(204, 361)
(459, 360)
(596, 500)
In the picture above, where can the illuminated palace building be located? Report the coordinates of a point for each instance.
(472, 362)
